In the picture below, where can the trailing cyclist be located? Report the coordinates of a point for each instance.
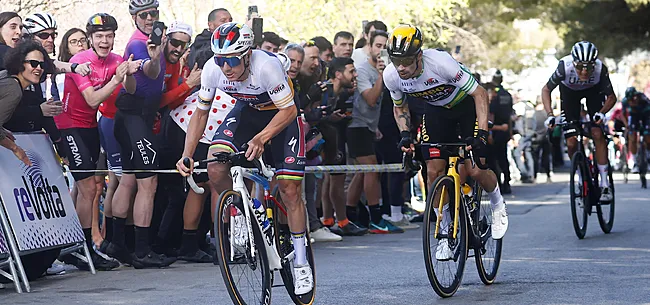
(454, 102)
(582, 75)
(636, 110)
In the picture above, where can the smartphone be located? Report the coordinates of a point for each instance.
(363, 26)
(258, 25)
(384, 56)
(157, 33)
(457, 51)
(252, 10)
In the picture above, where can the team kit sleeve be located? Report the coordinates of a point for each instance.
(557, 76)
(208, 85)
(138, 49)
(392, 83)
(277, 86)
(606, 87)
(80, 82)
(450, 69)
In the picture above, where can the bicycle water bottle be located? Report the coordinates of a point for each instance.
(260, 212)
(467, 190)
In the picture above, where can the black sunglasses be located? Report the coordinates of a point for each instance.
(153, 14)
(35, 63)
(589, 66)
(178, 43)
(45, 36)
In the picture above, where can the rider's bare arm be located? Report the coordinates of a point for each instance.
(482, 105)
(402, 116)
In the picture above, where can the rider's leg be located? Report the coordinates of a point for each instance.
(436, 168)
(290, 191)
(191, 216)
(219, 180)
(601, 154)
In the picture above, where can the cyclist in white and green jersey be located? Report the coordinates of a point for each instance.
(456, 109)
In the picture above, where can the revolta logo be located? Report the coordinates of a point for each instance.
(36, 198)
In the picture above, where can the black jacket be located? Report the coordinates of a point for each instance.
(201, 41)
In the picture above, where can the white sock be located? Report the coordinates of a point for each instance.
(299, 245)
(396, 213)
(495, 197)
(446, 219)
(604, 181)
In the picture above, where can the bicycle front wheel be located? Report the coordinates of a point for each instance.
(578, 187)
(487, 252)
(605, 210)
(284, 245)
(247, 277)
(445, 274)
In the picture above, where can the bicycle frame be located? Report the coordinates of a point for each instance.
(238, 174)
(453, 161)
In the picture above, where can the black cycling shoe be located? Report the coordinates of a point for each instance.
(350, 229)
(100, 263)
(119, 253)
(152, 260)
(103, 246)
(197, 257)
(506, 189)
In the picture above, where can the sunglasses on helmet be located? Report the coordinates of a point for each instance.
(403, 61)
(589, 66)
(232, 61)
(153, 14)
(35, 63)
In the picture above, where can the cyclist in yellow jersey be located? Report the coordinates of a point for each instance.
(455, 105)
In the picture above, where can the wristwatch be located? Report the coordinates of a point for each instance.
(73, 67)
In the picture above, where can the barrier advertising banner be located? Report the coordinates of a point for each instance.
(4, 248)
(36, 198)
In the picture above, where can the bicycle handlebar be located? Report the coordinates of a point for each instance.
(412, 165)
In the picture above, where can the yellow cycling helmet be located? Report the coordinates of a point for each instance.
(404, 41)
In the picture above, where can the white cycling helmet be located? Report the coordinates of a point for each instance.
(180, 27)
(584, 51)
(284, 59)
(37, 22)
(139, 5)
(231, 38)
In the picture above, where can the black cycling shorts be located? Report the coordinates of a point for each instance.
(173, 145)
(82, 149)
(362, 142)
(288, 147)
(448, 125)
(571, 106)
(138, 146)
(639, 122)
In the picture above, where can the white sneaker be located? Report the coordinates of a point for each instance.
(443, 253)
(240, 233)
(606, 194)
(324, 235)
(499, 221)
(303, 279)
(405, 224)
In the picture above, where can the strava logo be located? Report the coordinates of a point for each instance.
(76, 156)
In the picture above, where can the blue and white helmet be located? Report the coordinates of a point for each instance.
(584, 51)
(231, 38)
(37, 22)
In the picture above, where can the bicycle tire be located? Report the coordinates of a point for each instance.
(223, 253)
(607, 224)
(578, 163)
(285, 246)
(643, 165)
(461, 248)
(625, 167)
(483, 225)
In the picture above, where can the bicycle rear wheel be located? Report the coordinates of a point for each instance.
(625, 168)
(605, 210)
(643, 165)
(445, 276)
(284, 245)
(488, 253)
(247, 278)
(578, 186)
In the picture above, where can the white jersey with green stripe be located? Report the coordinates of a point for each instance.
(443, 82)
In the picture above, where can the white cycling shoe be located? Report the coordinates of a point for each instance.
(303, 279)
(443, 252)
(499, 221)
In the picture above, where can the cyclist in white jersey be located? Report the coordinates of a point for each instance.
(454, 102)
(583, 75)
(264, 110)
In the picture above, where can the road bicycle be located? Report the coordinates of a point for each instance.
(470, 226)
(251, 245)
(584, 186)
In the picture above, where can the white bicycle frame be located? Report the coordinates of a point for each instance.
(238, 174)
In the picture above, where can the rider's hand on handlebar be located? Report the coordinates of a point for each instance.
(255, 149)
(406, 143)
(550, 122)
(184, 170)
(598, 118)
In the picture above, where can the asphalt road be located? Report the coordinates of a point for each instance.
(543, 263)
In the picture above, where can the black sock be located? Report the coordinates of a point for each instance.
(352, 213)
(118, 231)
(89, 238)
(129, 237)
(375, 213)
(190, 243)
(108, 223)
(142, 241)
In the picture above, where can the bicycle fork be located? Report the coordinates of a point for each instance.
(452, 172)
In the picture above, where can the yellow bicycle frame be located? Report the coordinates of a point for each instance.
(453, 173)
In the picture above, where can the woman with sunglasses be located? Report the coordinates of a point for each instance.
(78, 122)
(582, 75)
(25, 65)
